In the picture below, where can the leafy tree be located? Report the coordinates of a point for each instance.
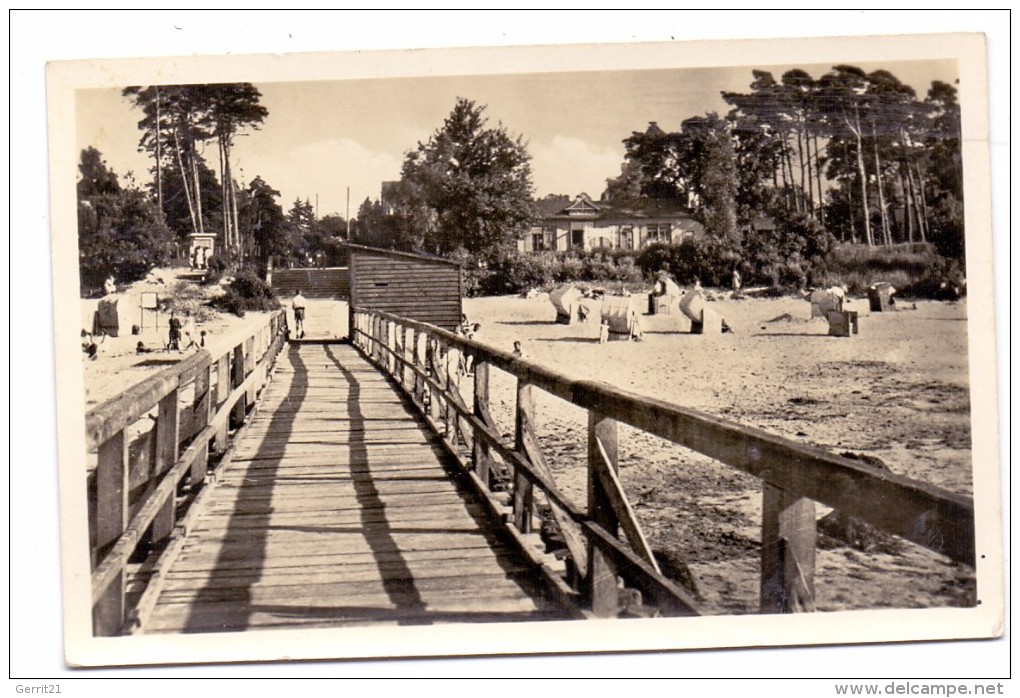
(712, 167)
(177, 120)
(119, 230)
(179, 207)
(468, 187)
(95, 175)
(231, 107)
(262, 222)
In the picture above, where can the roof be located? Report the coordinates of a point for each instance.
(550, 209)
(421, 257)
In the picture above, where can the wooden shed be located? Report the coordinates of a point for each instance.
(419, 287)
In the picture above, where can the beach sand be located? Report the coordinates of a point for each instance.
(897, 391)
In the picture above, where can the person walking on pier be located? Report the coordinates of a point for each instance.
(299, 304)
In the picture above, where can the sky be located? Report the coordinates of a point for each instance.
(322, 138)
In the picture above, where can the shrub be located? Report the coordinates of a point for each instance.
(217, 266)
(246, 292)
(188, 298)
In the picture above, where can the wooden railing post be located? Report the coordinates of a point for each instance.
(449, 413)
(201, 404)
(167, 443)
(399, 346)
(600, 591)
(222, 392)
(432, 363)
(417, 363)
(481, 409)
(112, 488)
(788, 539)
(249, 368)
(237, 378)
(523, 492)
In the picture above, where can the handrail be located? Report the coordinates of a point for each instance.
(794, 475)
(122, 522)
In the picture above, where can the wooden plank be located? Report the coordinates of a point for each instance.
(112, 416)
(600, 586)
(237, 379)
(195, 564)
(613, 489)
(788, 538)
(108, 611)
(435, 514)
(322, 574)
(571, 532)
(370, 610)
(167, 439)
(523, 501)
(480, 456)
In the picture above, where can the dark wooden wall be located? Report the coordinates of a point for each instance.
(331, 282)
(416, 288)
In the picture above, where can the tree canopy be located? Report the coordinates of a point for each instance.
(468, 187)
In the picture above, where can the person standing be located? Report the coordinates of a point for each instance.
(175, 333)
(299, 304)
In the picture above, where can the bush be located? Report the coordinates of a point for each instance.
(707, 260)
(246, 292)
(914, 270)
(186, 298)
(217, 266)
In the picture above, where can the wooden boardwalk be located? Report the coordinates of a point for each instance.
(336, 509)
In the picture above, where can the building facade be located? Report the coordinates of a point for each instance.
(583, 224)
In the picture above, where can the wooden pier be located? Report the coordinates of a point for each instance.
(284, 484)
(335, 510)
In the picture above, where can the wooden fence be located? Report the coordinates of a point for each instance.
(423, 360)
(144, 477)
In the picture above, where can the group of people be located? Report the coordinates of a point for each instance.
(183, 335)
(199, 258)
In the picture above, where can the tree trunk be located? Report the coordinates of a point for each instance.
(224, 202)
(924, 204)
(232, 192)
(159, 158)
(198, 187)
(800, 161)
(908, 196)
(791, 182)
(818, 177)
(862, 173)
(886, 235)
(184, 181)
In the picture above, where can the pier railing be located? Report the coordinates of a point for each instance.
(152, 446)
(607, 548)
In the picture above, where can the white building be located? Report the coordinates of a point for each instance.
(585, 224)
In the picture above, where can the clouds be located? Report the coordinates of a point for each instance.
(569, 165)
(323, 168)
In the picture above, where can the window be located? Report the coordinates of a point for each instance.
(549, 232)
(577, 238)
(659, 232)
(538, 242)
(627, 237)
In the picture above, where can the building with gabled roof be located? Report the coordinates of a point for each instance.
(582, 224)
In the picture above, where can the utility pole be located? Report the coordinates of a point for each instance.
(348, 216)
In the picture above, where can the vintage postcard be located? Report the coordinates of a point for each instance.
(516, 351)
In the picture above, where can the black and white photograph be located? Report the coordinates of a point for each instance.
(536, 350)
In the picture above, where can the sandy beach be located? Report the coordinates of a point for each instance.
(897, 391)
